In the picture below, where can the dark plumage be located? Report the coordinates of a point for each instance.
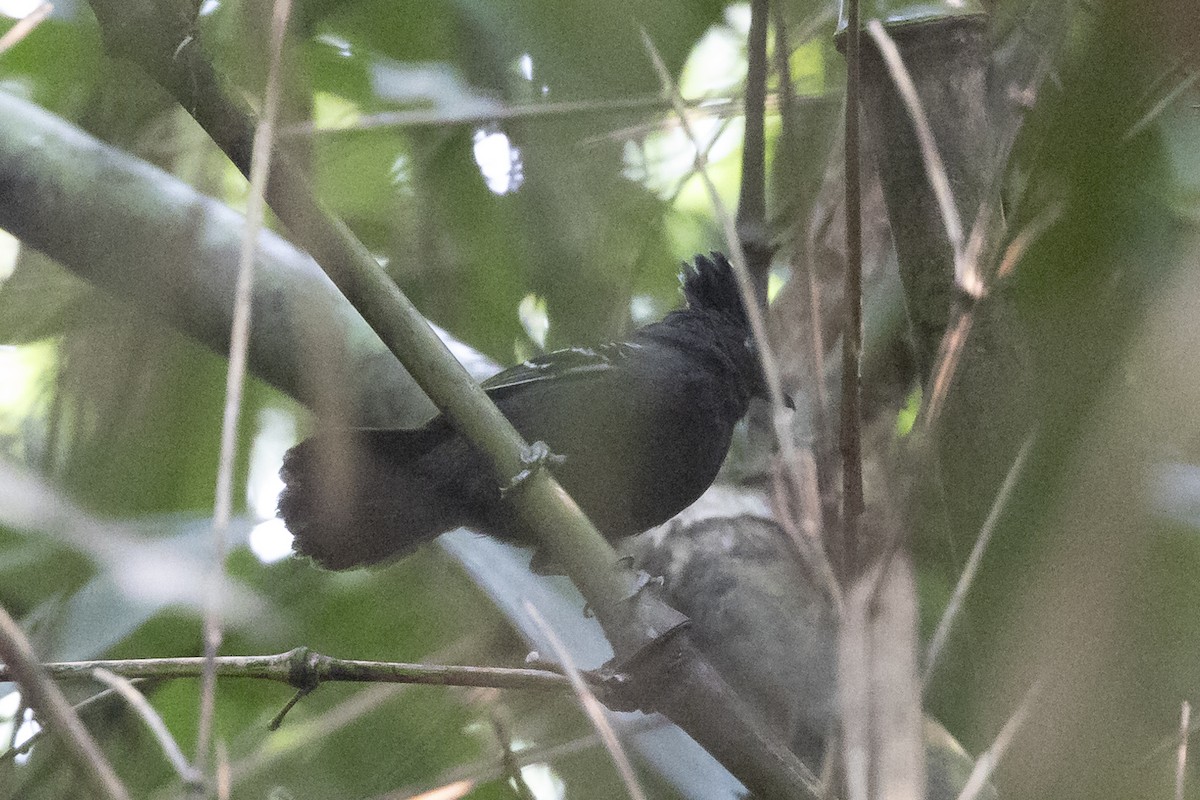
(643, 425)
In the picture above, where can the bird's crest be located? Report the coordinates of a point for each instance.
(710, 285)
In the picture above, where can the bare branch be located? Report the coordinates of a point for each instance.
(972, 566)
(24, 747)
(25, 26)
(469, 775)
(850, 426)
(1031, 233)
(965, 275)
(260, 166)
(497, 112)
(591, 706)
(141, 706)
(1185, 716)
(55, 712)
(990, 758)
(751, 219)
(802, 262)
(1158, 108)
(315, 731)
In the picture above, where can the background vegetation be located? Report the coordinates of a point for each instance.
(516, 168)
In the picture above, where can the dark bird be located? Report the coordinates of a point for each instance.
(642, 427)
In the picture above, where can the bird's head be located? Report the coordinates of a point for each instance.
(710, 287)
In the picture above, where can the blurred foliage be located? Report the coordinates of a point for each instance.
(123, 413)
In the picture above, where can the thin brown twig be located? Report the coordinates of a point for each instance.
(946, 365)
(500, 113)
(972, 566)
(989, 759)
(55, 713)
(1158, 108)
(966, 275)
(1029, 234)
(141, 706)
(260, 166)
(780, 414)
(591, 706)
(480, 772)
(723, 108)
(277, 721)
(224, 772)
(750, 220)
(854, 690)
(853, 658)
(25, 26)
(1185, 717)
(752, 227)
(850, 424)
(802, 261)
(79, 708)
(737, 256)
(508, 759)
(958, 330)
(313, 732)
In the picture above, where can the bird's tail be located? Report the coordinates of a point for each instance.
(356, 497)
(710, 285)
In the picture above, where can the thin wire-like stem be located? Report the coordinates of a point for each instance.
(958, 330)
(33, 739)
(224, 773)
(277, 720)
(989, 759)
(752, 228)
(737, 256)
(315, 731)
(751, 217)
(236, 375)
(508, 760)
(850, 425)
(972, 566)
(473, 774)
(1158, 108)
(25, 26)
(966, 275)
(1185, 717)
(818, 455)
(780, 415)
(54, 712)
(591, 706)
(802, 265)
(141, 706)
(499, 113)
(950, 352)
(1028, 235)
(854, 691)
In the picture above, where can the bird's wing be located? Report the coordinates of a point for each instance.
(575, 363)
